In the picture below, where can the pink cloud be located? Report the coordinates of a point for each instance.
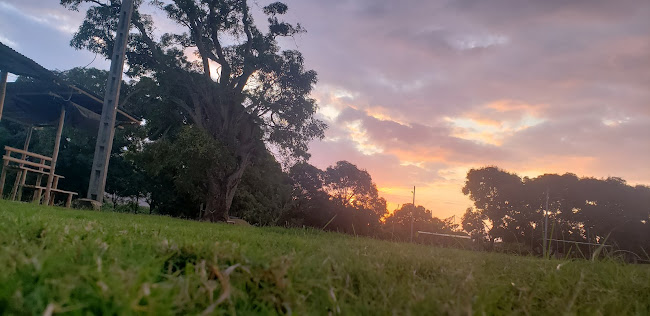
(418, 92)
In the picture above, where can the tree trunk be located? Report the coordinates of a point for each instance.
(221, 193)
(217, 203)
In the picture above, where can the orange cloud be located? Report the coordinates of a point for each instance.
(511, 105)
(493, 122)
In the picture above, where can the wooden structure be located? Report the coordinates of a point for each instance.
(26, 164)
(44, 101)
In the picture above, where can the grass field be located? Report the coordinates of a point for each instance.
(55, 260)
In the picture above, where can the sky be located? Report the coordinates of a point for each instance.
(420, 92)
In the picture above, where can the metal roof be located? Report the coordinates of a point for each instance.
(18, 64)
(37, 102)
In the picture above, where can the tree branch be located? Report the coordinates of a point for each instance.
(155, 50)
(196, 29)
(248, 70)
(220, 58)
(124, 101)
(189, 111)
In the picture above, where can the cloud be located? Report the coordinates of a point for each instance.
(418, 92)
(9, 42)
(535, 87)
(47, 14)
(493, 122)
(42, 31)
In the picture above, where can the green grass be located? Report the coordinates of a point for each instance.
(55, 260)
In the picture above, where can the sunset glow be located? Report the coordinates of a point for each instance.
(421, 92)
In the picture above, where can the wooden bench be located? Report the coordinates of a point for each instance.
(23, 166)
(40, 189)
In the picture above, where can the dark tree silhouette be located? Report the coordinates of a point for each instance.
(498, 195)
(355, 198)
(472, 223)
(311, 200)
(579, 209)
(253, 92)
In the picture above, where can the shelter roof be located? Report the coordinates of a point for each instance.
(18, 64)
(38, 101)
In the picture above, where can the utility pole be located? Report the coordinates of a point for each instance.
(111, 98)
(589, 241)
(546, 226)
(412, 210)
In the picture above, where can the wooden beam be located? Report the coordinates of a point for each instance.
(28, 139)
(3, 90)
(25, 162)
(80, 91)
(20, 177)
(21, 185)
(131, 118)
(16, 150)
(39, 171)
(55, 156)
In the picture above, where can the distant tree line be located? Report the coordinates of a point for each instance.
(510, 209)
(166, 175)
(163, 163)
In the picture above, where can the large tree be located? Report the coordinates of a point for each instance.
(355, 198)
(241, 89)
(498, 196)
(312, 202)
(579, 210)
(351, 186)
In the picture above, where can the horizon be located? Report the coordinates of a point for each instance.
(554, 88)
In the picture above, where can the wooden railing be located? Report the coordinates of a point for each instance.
(35, 163)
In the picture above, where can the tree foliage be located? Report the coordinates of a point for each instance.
(255, 93)
(473, 223)
(579, 209)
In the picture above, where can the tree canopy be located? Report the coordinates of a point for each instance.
(242, 89)
(579, 209)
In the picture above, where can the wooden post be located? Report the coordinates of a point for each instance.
(37, 194)
(106, 131)
(21, 185)
(55, 156)
(68, 201)
(22, 174)
(2, 178)
(3, 90)
(39, 177)
(19, 177)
